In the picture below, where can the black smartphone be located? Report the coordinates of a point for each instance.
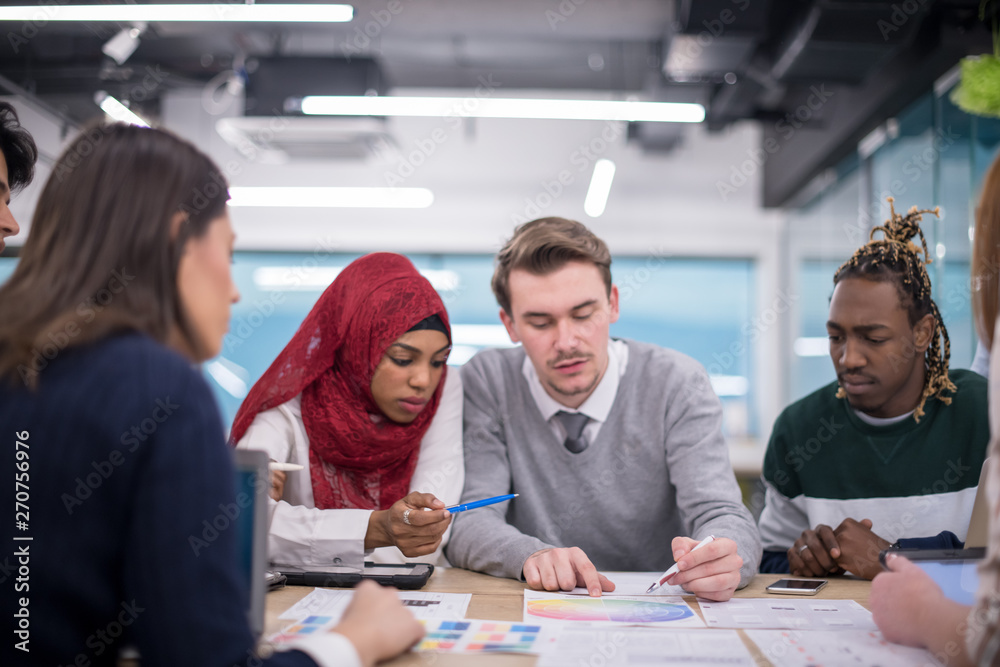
(405, 576)
(796, 586)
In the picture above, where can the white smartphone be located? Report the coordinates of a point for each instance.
(797, 586)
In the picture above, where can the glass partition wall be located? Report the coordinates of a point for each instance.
(697, 306)
(932, 154)
(706, 306)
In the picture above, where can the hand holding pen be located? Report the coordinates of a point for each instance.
(709, 569)
(675, 568)
(420, 526)
(414, 524)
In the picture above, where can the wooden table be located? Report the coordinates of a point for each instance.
(502, 600)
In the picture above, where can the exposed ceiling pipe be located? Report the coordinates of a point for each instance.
(798, 43)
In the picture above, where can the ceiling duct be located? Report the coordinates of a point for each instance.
(713, 38)
(843, 42)
(278, 140)
(276, 86)
(803, 44)
(665, 137)
(274, 128)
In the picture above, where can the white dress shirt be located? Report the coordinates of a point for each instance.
(327, 650)
(302, 535)
(598, 404)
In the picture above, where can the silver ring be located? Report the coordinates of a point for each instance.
(406, 516)
(801, 549)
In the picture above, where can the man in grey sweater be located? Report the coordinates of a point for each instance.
(614, 446)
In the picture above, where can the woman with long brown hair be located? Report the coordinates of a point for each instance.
(115, 448)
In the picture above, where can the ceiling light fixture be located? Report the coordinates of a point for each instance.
(811, 346)
(230, 376)
(475, 107)
(729, 385)
(285, 197)
(318, 278)
(124, 43)
(600, 187)
(214, 11)
(117, 110)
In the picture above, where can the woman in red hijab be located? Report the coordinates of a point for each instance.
(361, 397)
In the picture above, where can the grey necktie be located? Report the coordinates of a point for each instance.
(574, 423)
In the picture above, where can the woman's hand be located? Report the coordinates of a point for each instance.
(408, 526)
(910, 608)
(378, 625)
(277, 489)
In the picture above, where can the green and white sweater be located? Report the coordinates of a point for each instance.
(824, 464)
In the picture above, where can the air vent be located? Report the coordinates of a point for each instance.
(281, 139)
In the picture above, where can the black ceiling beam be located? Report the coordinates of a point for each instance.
(805, 151)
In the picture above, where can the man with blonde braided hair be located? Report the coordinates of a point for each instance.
(893, 448)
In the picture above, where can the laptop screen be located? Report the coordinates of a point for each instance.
(251, 529)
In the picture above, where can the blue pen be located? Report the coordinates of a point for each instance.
(481, 503)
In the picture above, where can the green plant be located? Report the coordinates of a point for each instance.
(979, 90)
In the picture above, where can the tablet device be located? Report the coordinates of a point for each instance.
(954, 570)
(405, 575)
(250, 523)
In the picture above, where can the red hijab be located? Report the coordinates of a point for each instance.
(354, 462)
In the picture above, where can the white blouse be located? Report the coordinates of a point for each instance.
(302, 535)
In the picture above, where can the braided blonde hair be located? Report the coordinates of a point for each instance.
(895, 257)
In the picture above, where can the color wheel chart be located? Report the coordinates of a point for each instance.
(627, 610)
(482, 637)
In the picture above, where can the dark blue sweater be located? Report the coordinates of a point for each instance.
(125, 460)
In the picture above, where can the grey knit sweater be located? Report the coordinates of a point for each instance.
(658, 468)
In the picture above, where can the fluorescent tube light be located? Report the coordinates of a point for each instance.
(117, 110)
(295, 278)
(318, 278)
(729, 385)
(600, 187)
(461, 353)
(815, 346)
(481, 335)
(213, 11)
(286, 197)
(653, 112)
(467, 339)
(228, 375)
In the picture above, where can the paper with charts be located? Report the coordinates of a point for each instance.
(540, 606)
(322, 609)
(635, 583)
(468, 636)
(832, 648)
(791, 614)
(631, 647)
